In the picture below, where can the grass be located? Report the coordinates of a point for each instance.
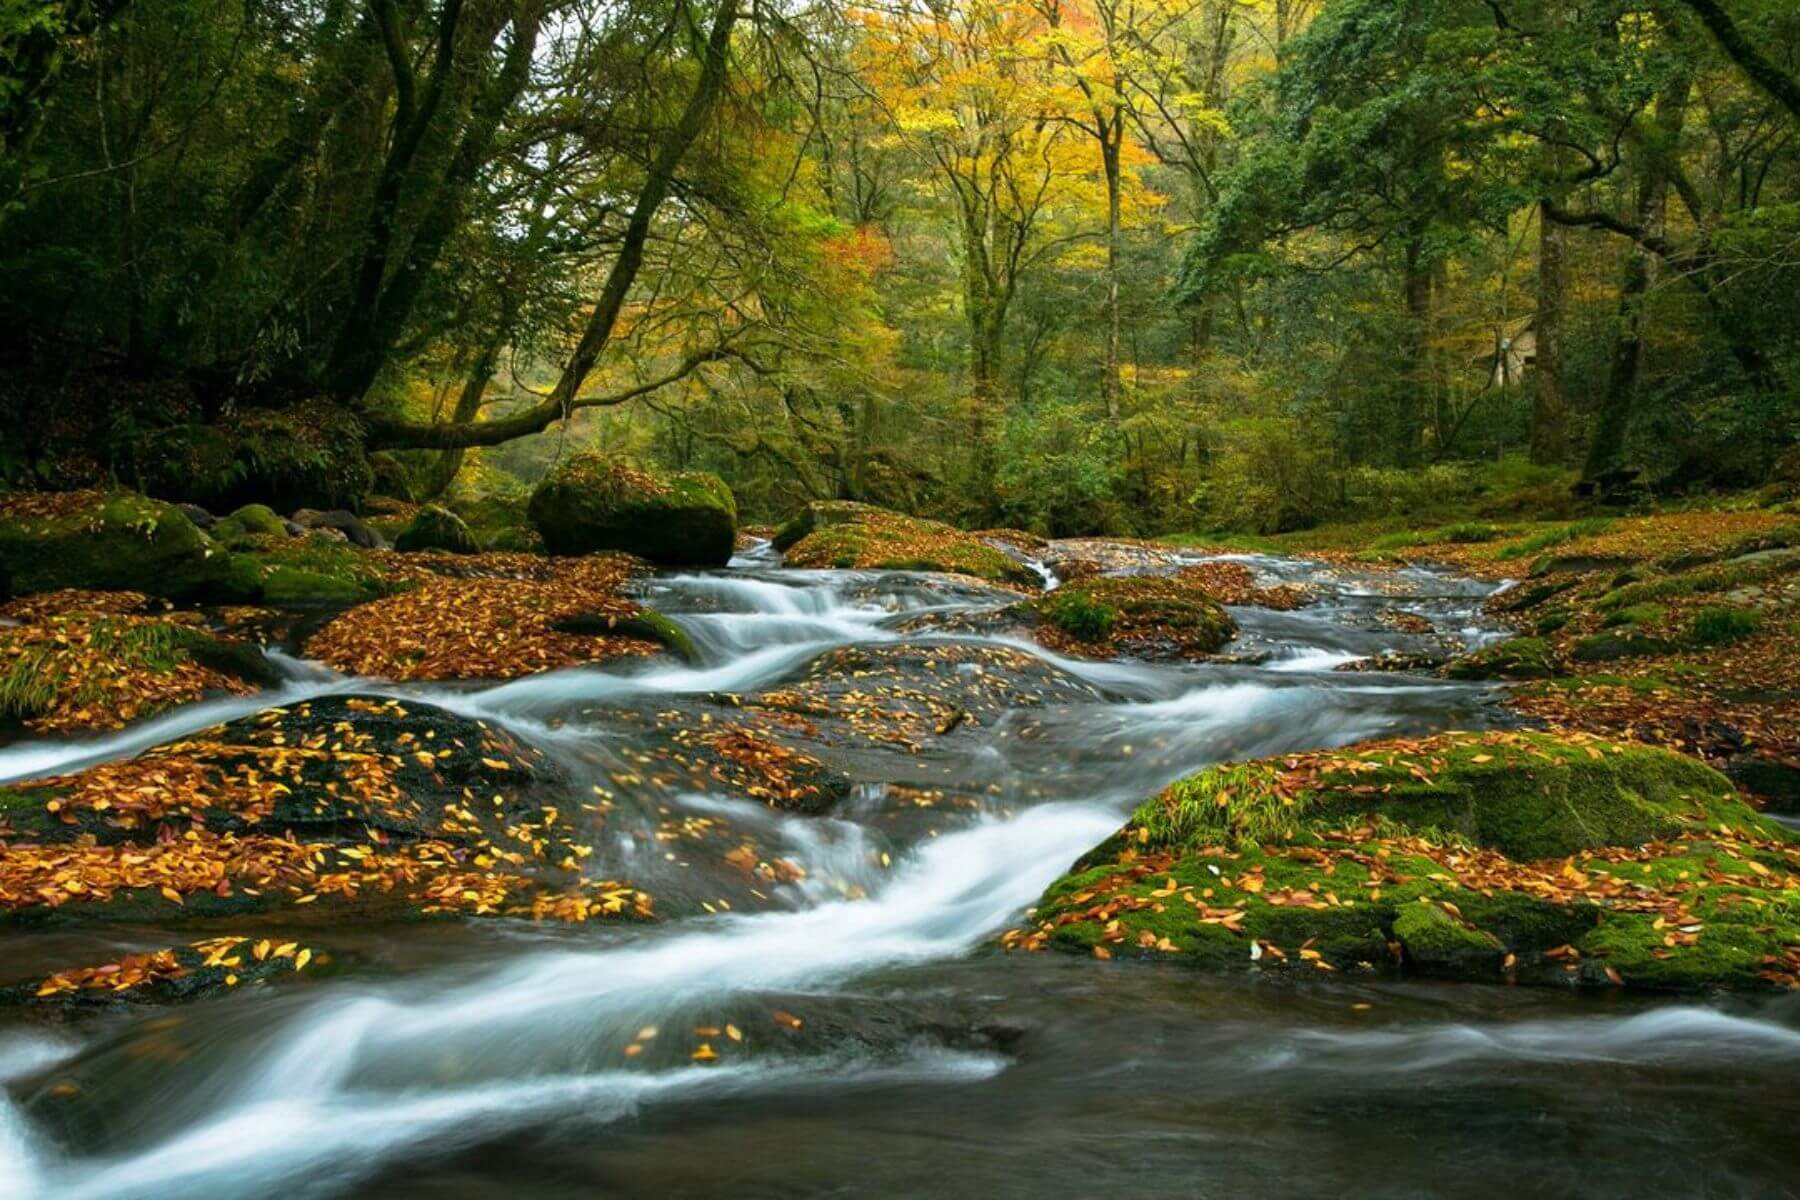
(41, 675)
(1559, 536)
(1720, 625)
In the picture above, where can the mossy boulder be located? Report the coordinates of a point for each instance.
(820, 514)
(437, 528)
(841, 534)
(106, 541)
(1533, 857)
(1515, 658)
(248, 523)
(1145, 616)
(591, 503)
(312, 571)
(499, 520)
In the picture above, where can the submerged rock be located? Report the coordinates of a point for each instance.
(1526, 856)
(591, 504)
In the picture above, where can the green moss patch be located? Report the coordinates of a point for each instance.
(591, 503)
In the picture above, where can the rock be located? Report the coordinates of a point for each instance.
(202, 519)
(499, 521)
(1515, 658)
(590, 503)
(106, 542)
(437, 528)
(859, 536)
(1527, 856)
(1613, 644)
(347, 523)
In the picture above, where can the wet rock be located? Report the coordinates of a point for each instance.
(1143, 616)
(342, 521)
(436, 528)
(1397, 660)
(590, 503)
(361, 805)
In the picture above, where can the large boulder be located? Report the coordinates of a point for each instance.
(106, 541)
(1533, 857)
(591, 503)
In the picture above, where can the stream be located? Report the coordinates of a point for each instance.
(469, 1058)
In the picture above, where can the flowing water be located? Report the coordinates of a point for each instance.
(466, 1059)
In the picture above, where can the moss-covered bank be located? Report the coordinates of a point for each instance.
(1504, 856)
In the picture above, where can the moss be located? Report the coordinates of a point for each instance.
(645, 623)
(300, 587)
(1080, 616)
(1529, 795)
(252, 521)
(107, 542)
(590, 504)
(1148, 615)
(1437, 941)
(1718, 577)
(1623, 642)
(819, 514)
(1515, 658)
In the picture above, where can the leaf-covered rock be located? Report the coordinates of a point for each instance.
(1145, 616)
(591, 503)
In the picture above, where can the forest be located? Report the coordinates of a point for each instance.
(731, 598)
(1115, 266)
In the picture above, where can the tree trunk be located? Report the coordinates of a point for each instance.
(1417, 395)
(1549, 410)
(1607, 447)
(1109, 155)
